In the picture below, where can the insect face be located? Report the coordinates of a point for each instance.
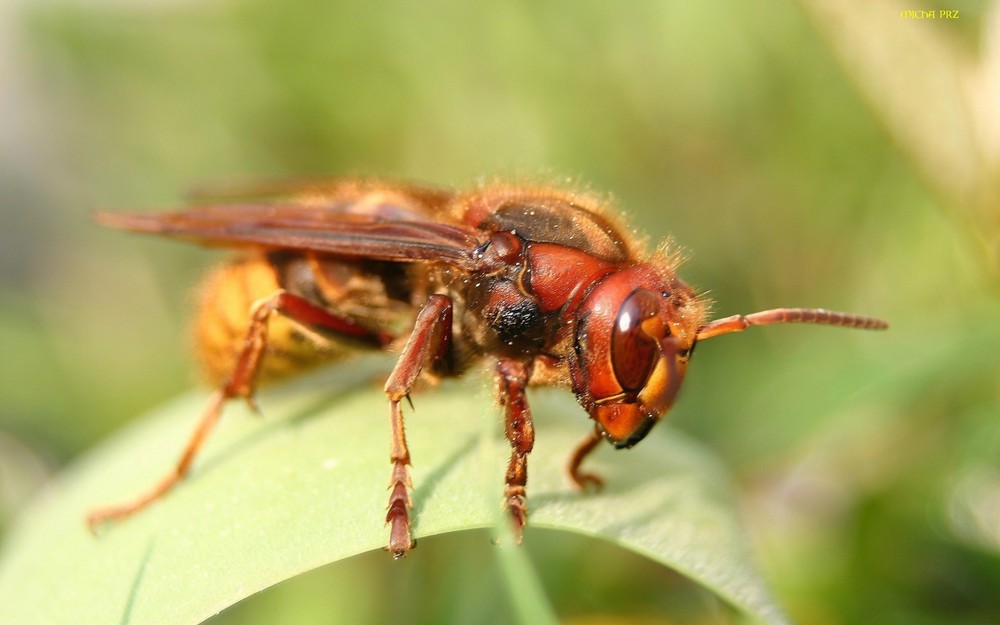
(634, 335)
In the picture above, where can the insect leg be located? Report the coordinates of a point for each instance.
(239, 383)
(580, 452)
(512, 379)
(429, 341)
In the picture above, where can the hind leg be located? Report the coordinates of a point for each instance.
(241, 382)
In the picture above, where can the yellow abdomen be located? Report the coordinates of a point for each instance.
(223, 318)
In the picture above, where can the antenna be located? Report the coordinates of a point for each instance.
(738, 323)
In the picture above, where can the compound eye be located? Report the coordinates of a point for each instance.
(634, 351)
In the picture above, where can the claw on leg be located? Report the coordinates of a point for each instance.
(518, 510)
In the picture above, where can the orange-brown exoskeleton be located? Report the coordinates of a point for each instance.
(539, 280)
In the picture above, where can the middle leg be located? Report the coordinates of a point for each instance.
(429, 341)
(512, 377)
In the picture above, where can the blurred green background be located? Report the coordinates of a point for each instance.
(869, 463)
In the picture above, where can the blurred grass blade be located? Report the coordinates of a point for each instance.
(973, 507)
(524, 588)
(305, 486)
(935, 100)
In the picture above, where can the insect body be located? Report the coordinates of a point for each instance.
(539, 280)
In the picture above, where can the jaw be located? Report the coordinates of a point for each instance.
(623, 424)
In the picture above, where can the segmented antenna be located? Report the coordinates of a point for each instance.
(738, 323)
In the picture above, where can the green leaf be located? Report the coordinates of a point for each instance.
(305, 486)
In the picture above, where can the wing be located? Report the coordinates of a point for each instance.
(314, 189)
(349, 229)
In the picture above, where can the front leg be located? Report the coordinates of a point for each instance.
(512, 378)
(429, 341)
(583, 449)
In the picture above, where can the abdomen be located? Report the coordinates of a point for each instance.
(229, 292)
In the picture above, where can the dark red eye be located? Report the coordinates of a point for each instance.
(634, 352)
